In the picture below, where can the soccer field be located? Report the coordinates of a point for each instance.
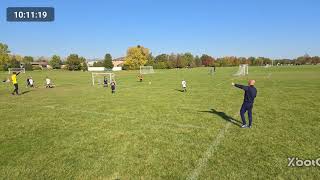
(155, 131)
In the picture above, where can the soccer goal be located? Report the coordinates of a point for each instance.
(146, 70)
(267, 66)
(97, 78)
(21, 70)
(243, 70)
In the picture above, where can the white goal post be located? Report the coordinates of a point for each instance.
(11, 70)
(267, 66)
(243, 70)
(146, 70)
(97, 78)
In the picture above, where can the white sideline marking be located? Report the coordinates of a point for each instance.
(269, 75)
(202, 163)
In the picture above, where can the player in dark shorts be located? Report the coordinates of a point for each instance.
(113, 87)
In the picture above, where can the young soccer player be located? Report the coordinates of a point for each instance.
(105, 82)
(113, 86)
(140, 77)
(28, 82)
(48, 83)
(15, 82)
(184, 85)
(250, 92)
(31, 82)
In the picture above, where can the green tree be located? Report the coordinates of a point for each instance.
(98, 64)
(161, 61)
(14, 63)
(27, 63)
(188, 60)
(83, 62)
(27, 59)
(4, 56)
(180, 62)
(4, 49)
(136, 57)
(172, 61)
(55, 62)
(197, 61)
(107, 63)
(251, 60)
(73, 62)
(151, 60)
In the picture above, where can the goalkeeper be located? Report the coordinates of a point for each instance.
(250, 92)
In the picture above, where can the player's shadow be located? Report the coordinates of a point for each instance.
(25, 92)
(224, 116)
(180, 90)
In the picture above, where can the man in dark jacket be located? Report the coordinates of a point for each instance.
(247, 105)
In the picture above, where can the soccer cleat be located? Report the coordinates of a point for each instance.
(250, 126)
(244, 126)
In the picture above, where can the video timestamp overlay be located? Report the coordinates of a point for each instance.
(30, 14)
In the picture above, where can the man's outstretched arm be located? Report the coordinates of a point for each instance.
(240, 86)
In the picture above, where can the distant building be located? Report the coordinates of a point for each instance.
(90, 63)
(118, 62)
(41, 64)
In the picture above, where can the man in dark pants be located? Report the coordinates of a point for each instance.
(15, 83)
(249, 95)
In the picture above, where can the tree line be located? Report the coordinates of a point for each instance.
(138, 56)
(73, 62)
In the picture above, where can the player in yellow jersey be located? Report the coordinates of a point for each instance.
(15, 82)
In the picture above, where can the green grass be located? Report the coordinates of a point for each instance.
(154, 131)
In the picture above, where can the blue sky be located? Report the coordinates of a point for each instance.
(270, 28)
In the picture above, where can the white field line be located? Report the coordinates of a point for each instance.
(269, 75)
(202, 162)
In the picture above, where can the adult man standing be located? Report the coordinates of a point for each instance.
(247, 105)
(15, 83)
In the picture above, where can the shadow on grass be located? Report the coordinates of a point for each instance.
(224, 116)
(25, 92)
(180, 90)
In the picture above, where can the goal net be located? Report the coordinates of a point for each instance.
(243, 70)
(146, 70)
(21, 70)
(98, 78)
(267, 66)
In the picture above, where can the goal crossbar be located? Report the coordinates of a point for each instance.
(22, 70)
(146, 70)
(110, 76)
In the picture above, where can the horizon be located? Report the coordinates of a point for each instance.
(276, 30)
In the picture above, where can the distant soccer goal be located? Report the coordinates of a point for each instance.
(146, 70)
(21, 70)
(98, 78)
(243, 70)
(267, 66)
